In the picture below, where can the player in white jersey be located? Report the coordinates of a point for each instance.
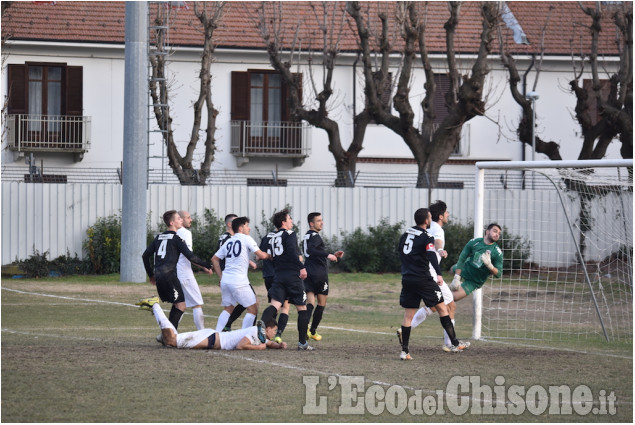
(234, 282)
(191, 291)
(440, 216)
(256, 337)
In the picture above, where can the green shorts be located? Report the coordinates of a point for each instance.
(469, 287)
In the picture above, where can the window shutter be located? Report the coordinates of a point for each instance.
(17, 102)
(442, 81)
(74, 90)
(240, 96)
(286, 93)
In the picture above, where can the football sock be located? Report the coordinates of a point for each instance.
(222, 321)
(309, 308)
(317, 318)
(303, 324)
(405, 337)
(419, 316)
(162, 320)
(446, 322)
(269, 313)
(175, 316)
(248, 321)
(238, 310)
(446, 338)
(282, 323)
(199, 319)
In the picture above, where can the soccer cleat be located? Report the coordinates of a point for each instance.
(278, 339)
(227, 329)
(316, 336)
(462, 346)
(405, 356)
(399, 336)
(262, 334)
(147, 303)
(159, 339)
(446, 348)
(305, 347)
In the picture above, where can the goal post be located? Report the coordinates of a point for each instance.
(567, 244)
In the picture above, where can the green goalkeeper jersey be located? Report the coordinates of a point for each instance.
(471, 265)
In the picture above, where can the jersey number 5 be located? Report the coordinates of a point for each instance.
(407, 246)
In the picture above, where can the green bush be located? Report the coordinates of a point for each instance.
(205, 233)
(374, 251)
(36, 265)
(456, 236)
(103, 245)
(67, 265)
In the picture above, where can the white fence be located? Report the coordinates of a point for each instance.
(54, 217)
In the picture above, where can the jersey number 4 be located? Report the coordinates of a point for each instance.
(407, 245)
(162, 248)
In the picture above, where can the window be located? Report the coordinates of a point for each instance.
(45, 105)
(442, 82)
(262, 124)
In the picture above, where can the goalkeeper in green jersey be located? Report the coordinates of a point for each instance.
(480, 258)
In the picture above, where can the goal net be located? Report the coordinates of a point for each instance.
(568, 250)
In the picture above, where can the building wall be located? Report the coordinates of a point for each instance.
(491, 137)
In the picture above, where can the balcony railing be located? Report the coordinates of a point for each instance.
(48, 133)
(270, 139)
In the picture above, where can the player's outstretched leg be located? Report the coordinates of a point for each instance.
(238, 310)
(457, 346)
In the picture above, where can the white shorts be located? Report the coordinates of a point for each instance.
(232, 295)
(447, 293)
(191, 291)
(192, 339)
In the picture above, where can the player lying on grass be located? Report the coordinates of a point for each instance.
(252, 338)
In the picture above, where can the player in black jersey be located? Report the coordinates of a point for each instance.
(417, 253)
(289, 272)
(166, 248)
(268, 273)
(317, 270)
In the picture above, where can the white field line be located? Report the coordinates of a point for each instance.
(326, 327)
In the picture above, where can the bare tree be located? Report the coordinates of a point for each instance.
(330, 18)
(430, 146)
(209, 14)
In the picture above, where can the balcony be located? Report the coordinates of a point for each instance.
(49, 133)
(251, 139)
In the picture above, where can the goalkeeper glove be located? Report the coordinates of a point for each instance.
(486, 258)
(456, 282)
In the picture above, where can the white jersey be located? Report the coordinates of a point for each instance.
(183, 266)
(236, 252)
(230, 340)
(437, 233)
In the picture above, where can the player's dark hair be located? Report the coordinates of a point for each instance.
(421, 215)
(438, 209)
(271, 323)
(239, 221)
(312, 216)
(279, 217)
(491, 225)
(229, 218)
(168, 216)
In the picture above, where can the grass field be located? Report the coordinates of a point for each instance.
(78, 350)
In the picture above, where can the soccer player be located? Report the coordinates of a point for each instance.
(416, 252)
(440, 215)
(166, 248)
(480, 258)
(289, 272)
(268, 273)
(234, 282)
(317, 280)
(252, 338)
(193, 297)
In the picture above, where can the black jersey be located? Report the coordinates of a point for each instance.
(315, 255)
(283, 247)
(267, 265)
(166, 248)
(417, 252)
(222, 240)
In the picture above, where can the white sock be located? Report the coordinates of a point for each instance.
(162, 319)
(446, 338)
(199, 319)
(222, 321)
(420, 316)
(248, 321)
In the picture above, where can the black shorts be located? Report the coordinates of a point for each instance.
(288, 286)
(414, 290)
(316, 285)
(169, 289)
(268, 283)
